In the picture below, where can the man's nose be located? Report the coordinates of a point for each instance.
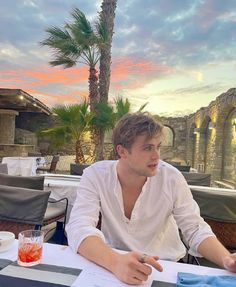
(156, 153)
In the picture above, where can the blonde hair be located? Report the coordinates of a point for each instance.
(132, 125)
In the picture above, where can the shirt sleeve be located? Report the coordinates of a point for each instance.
(85, 212)
(187, 215)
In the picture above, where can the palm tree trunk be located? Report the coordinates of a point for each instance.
(79, 155)
(93, 100)
(108, 15)
(93, 88)
(98, 135)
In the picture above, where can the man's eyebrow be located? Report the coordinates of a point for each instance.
(144, 145)
(148, 145)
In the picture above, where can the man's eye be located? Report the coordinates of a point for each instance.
(148, 148)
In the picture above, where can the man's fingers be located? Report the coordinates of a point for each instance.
(140, 275)
(152, 260)
(144, 268)
(135, 281)
(229, 261)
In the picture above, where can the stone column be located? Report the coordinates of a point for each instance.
(7, 126)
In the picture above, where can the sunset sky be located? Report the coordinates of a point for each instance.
(177, 55)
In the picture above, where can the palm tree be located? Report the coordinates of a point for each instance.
(107, 15)
(103, 120)
(71, 124)
(122, 107)
(78, 42)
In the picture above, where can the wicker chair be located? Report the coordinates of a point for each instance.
(218, 208)
(22, 208)
(56, 209)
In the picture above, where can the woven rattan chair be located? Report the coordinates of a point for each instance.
(56, 209)
(22, 208)
(218, 208)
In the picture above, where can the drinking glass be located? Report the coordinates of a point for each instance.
(30, 247)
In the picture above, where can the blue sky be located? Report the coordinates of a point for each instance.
(177, 55)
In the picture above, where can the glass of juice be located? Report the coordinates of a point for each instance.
(30, 247)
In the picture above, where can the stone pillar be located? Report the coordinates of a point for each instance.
(7, 126)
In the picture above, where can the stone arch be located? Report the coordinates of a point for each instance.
(168, 136)
(229, 147)
(226, 106)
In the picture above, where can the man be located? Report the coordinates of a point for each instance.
(143, 201)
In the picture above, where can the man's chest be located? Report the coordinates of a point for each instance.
(130, 198)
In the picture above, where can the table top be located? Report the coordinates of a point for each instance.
(212, 189)
(61, 186)
(92, 274)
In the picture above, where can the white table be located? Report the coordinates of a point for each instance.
(63, 256)
(24, 166)
(62, 186)
(212, 189)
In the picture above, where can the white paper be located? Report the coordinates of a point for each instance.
(95, 278)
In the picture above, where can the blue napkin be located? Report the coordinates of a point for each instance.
(189, 279)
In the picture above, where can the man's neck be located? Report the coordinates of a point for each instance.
(129, 179)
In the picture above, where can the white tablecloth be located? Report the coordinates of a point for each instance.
(24, 166)
(212, 189)
(62, 186)
(63, 256)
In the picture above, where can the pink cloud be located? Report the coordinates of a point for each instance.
(126, 73)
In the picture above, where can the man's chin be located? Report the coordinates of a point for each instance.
(152, 173)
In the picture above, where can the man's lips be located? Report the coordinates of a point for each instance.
(152, 165)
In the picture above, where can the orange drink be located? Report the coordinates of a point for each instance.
(30, 246)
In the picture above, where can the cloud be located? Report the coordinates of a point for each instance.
(189, 47)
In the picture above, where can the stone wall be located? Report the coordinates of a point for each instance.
(7, 126)
(15, 150)
(177, 151)
(214, 150)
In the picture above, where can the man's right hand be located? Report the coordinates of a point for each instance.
(128, 268)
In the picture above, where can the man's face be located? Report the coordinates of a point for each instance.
(143, 157)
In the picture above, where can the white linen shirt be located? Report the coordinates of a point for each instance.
(164, 205)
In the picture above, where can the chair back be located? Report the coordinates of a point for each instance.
(3, 168)
(197, 178)
(77, 169)
(218, 208)
(54, 162)
(183, 168)
(21, 208)
(32, 182)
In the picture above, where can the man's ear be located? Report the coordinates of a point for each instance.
(121, 151)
